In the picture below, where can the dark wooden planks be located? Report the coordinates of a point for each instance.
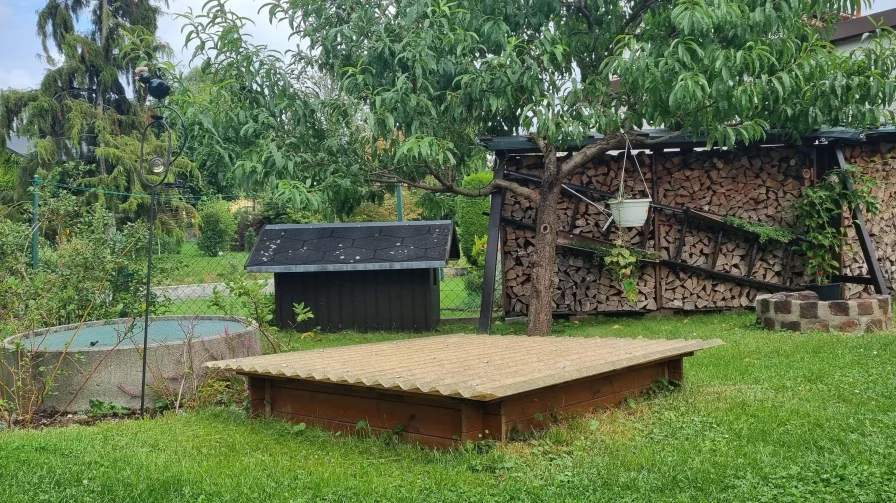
(533, 410)
(401, 299)
(491, 254)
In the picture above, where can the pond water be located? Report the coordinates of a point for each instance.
(131, 334)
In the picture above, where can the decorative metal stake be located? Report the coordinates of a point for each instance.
(156, 167)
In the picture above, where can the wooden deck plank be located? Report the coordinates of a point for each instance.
(478, 367)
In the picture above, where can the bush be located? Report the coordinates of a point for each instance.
(217, 228)
(471, 222)
(249, 239)
(96, 271)
(247, 222)
(169, 241)
(274, 211)
(15, 244)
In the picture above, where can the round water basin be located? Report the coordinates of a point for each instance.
(102, 360)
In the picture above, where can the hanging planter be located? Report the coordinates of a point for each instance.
(630, 212)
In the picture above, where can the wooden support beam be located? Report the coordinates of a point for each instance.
(569, 240)
(715, 251)
(648, 225)
(751, 257)
(855, 280)
(491, 253)
(788, 263)
(684, 230)
(731, 277)
(865, 241)
(658, 282)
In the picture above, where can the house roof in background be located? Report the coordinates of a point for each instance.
(354, 246)
(18, 145)
(523, 145)
(858, 26)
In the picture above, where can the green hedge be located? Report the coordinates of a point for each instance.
(470, 219)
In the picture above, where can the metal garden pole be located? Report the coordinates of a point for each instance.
(152, 214)
(399, 202)
(35, 220)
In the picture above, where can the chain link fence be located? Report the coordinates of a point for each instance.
(191, 279)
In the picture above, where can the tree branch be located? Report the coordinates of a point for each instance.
(589, 152)
(638, 10)
(579, 6)
(444, 187)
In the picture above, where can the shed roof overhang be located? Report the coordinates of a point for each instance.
(364, 246)
(522, 144)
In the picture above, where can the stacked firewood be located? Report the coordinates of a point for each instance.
(758, 185)
(878, 161)
(580, 285)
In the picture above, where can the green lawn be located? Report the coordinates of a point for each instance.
(192, 266)
(768, 417)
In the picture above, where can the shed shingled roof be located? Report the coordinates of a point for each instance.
(354, 246)
(478, 367)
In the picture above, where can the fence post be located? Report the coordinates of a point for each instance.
(35, 219)
(399, 202)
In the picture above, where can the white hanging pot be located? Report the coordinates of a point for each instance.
(630, 212)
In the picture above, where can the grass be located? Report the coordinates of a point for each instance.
(192, 266)
(768, 417)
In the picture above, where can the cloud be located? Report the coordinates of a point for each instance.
(263, 33)
(18, 79)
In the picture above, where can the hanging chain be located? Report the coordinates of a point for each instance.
(628, 150)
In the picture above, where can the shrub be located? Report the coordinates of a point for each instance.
(274, 211)
(476, 271)
(471, 222)
(15, 244)
(247, 222)
(169, 241)
(249, 239)
(217, 228)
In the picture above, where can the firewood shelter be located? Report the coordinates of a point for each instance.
(702, 262)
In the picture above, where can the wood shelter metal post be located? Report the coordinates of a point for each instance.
(657, 271)
(491, 251)
(868, 251)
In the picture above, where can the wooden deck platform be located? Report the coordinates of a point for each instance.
(444, 389)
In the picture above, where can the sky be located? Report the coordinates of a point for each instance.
(20, 64)
(21, 67)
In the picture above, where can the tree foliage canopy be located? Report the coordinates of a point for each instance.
(261, 124)
(432, 73)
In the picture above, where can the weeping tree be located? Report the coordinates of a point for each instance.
(88, 108)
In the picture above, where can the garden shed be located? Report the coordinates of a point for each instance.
(357, 276)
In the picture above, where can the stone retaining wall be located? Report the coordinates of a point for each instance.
(803, 312)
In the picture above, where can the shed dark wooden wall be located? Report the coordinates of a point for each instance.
(391, 299)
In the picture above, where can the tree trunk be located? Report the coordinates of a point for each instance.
(544, 262)
(104, 30)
